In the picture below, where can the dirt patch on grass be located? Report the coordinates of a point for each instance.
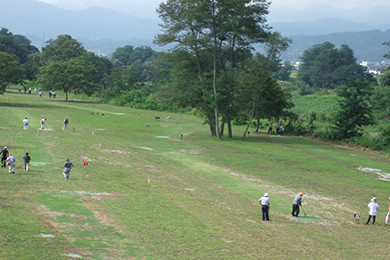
(87, 159)
(43, 210)
(191, 151)
(112, 247)
(186, 133)
(115, 151)
(384, 176)
(102, 218)
(143, 148)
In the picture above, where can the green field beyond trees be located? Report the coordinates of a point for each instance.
(165, 189)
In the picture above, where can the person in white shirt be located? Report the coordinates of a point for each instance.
(265, 204)
(373, 206)
(25, 123)
(11, 164)
(43, 122)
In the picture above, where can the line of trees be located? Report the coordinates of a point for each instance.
(210, 69)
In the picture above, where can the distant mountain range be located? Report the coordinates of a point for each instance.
(105, 30)
(44, 21)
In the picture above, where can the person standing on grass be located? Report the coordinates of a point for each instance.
(66, 122)
(11, 164)
(270, 128)
(26, 160)
(67, 167)
(373, 206)
(388, 214)
(4, 155)
(25, 123)
(43, 122)
(295, 206)
(265, 204)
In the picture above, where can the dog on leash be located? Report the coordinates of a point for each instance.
(357, 218)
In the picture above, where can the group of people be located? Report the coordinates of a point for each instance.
(43, 123)
(11, 159)
(265, 203)
(52, 93)
(279, 129)
(8, 158)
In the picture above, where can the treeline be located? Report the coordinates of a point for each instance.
(215, 76)
(211, 71)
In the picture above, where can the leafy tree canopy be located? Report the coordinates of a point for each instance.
(129, 55)
(10, 70)
(324, 66)
(354, 109)
(70, 75)
(63, 48)
(17, 45)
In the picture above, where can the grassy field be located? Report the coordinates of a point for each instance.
(147, 193)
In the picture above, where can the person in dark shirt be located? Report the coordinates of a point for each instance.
(26, 160)
(67, 167)
(295, 206)
(4, 155)
(66, 122)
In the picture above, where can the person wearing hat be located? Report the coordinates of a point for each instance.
(373, 206)
(4, 155)
(296, 203)
(67, 167)
(265, 204)
(25, 123)
(11, 164)
(388, 214)
(26, 160)
(43, 123)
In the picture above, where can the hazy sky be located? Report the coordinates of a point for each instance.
(147, 8)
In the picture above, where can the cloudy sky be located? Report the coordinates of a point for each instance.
(147, 8)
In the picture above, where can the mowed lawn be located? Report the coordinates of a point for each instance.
(141, 191)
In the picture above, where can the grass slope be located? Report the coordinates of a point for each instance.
(142, 197)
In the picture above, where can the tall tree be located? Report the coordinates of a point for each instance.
(324, 66)
(10, 71)
(209, 27)
(259, 95)
(70, 75)
(354, 109)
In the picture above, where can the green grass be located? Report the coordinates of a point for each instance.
(177, 198)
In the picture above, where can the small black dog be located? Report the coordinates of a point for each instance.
(357, 218)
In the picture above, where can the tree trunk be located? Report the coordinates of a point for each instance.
(66, 96)
(211, 125)
(257, 125)
(222, 126)
(215, 90)
(247, 127)
(250, 119)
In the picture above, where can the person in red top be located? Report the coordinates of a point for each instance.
(388, 214)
